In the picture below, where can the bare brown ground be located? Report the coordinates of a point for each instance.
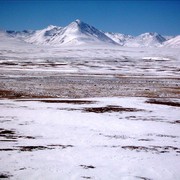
(110, 109)
(161, 102)
(18, 84)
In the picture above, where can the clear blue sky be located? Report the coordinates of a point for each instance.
(128, 17)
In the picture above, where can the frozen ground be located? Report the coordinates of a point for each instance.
(94, 138)
(112, 113)
(78, 72)
(92, 60)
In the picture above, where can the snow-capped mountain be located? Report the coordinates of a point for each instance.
(44, 36)
(10, 38)
(168, 37)
(76, 33)
(20, 34)
(80, 33)
(143, 40)
(6, 40)
(146, 40)
(121, 39)
(174, 42)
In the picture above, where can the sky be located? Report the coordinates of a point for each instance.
(127, 17)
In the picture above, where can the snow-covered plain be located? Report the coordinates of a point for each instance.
(84, 139)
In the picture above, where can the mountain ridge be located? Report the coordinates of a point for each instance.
(81, 33)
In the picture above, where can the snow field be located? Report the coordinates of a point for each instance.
(77, 144)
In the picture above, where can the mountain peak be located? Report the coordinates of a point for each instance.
(82, 32)
(78, 26)
(147, 34)
(78, 21)
(51, 27)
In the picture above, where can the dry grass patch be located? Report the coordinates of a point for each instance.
(160, 102)
(110, 109)
(69, 101)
